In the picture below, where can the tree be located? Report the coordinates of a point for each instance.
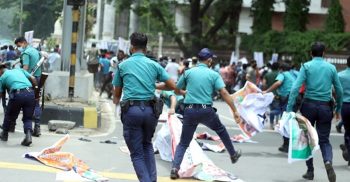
(335, 19)
(38, 15)
(262, 15)
(296, 16)
(207, 19)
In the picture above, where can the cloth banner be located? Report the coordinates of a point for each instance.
(195, 163)
(252, 105)
(303, 138)
(66, 161)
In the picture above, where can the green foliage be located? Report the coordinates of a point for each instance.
(335, 19)
(296, 16)
(38, 15)
(295, 44)
(262, 15)
(90, 19)
(51, 43)
(212, 21)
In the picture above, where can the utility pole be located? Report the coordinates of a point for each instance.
(74, 39)
(21, 19)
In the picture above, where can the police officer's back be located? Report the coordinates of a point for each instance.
(136, 77)
(200, 83)
(319, 76)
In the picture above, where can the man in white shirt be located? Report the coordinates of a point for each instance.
(54, 61)
(173, 69)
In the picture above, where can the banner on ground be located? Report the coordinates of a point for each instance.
(195, 163)
(66, 161)
(303, 138)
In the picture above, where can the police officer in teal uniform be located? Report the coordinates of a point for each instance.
(283, 85)
(344, 77)
(29, 58)
(173, 102)
(23, 94)
(319, 76)
(200, 83)
(137, 77)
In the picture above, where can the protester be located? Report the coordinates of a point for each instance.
(11, 54)
(228, 74)
(173, 69)
(253, 73)
(105, 65)
(268, 81)
(242, 76)
(344, 78)
(198, 102)
(136, 76)
(283, 85)
(29, 59)
(3, 53)
(318, 76)
(186, 66)
(54, 61)
(22, 97)
(93, 64)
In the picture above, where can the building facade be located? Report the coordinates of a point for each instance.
(318, 11)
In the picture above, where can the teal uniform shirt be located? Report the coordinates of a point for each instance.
(200, 83)
(167, 94)
(319, 76)
(344, 78)
(31, 57)
(138, 75)
(287, 80)
(15, 79)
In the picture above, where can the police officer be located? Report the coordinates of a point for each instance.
(198, 102)
(344, 78)
(173, 102)
(136, 77)
(318, 76)
(21, 97)
(283, 84)
(29, 58)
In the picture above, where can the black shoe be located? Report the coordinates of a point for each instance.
(338, 128)
(283, 148)
(345, 152)
(36, 132)
(236, 156)
(28, 139)
(309, 175)
(174, 173)
(4, 136)
(330, 172)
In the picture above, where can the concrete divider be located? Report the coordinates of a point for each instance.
(86, 117)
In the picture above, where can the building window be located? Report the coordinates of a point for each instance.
(325, 3)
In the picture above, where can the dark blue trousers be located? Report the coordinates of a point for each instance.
(37, 111)
(321, 115)
(207, 117)
(345, 114)
(139, 124)
(24, 100)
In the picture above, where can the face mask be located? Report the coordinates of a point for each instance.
(21, 49)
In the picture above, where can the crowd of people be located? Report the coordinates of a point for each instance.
(188, 87)
(194, 83)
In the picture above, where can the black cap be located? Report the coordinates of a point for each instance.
(205, 54)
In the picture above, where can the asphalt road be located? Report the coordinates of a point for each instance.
(261, 161)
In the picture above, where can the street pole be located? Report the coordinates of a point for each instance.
(75, 25)
(21, 19)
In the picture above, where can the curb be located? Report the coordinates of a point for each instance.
(86, 117)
